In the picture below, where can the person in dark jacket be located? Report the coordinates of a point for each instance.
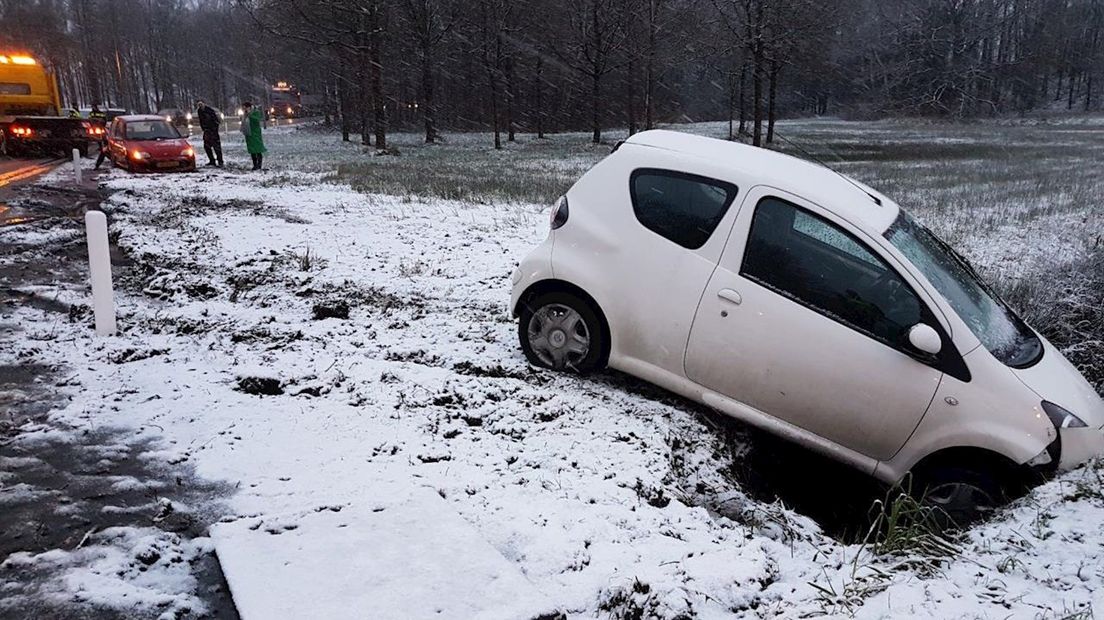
(209, 122)
(97, 115)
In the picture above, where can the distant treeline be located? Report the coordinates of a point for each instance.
(537, 66)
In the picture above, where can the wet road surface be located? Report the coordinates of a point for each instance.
(65, 495)
(15, 173)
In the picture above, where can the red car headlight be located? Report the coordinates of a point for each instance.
(189, 152)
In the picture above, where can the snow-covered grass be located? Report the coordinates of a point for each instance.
(315, 346)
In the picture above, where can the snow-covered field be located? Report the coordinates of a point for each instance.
(307, 346)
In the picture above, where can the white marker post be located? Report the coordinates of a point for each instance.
(99, 263)
(76, 167)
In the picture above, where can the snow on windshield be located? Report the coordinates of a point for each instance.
(998, 329)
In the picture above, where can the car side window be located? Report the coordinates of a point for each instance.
(822, 266)
(684, 208)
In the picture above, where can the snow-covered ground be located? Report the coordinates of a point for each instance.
(317, 348)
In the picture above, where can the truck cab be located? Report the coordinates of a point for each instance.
(30, 111)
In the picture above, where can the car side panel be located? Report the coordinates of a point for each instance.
(647, 286)
(993, 411)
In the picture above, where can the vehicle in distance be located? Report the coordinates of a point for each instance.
(284, 101)
(805, 303)
(31, 122)
(176, 117)
(148, 143)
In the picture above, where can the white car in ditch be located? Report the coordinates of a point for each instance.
(803, 302)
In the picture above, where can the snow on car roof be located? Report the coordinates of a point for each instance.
(836, 192)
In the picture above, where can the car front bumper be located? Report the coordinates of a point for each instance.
(1080, 445)
(163, 165)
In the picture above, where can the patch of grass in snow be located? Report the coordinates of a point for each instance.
(633, 602)
(904, 526)
(530, 171)
(1066, 303)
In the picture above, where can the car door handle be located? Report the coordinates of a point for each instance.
(728, 294)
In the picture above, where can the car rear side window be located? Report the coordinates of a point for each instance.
(14, 88)
(684, 208)
(822, 266)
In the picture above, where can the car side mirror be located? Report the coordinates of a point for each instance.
(925, 338)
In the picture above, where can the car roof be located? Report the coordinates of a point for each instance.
(126, 118)
(842, 195)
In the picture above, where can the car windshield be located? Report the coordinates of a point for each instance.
(151, 130)
(998, 328)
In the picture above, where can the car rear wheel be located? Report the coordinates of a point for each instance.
(959, 496)
(560, 331)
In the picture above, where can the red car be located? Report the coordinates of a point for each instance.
(148, 143)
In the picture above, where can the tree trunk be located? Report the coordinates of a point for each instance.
(510, 98)
(428, 109)
(757, 98)
(649, 67)
(743, 96)
(595, 108)
(379, 109)
(342, 92)
(596, 76)
(540, 97)
(1072, 85)
(775, 68)
(731, 103)
(492, 88)
(630, 98)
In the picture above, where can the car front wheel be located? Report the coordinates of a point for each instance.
(560, 331)
(960, 496)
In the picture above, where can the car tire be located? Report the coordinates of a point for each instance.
(959, 495)
(8, 147)
(561, 331)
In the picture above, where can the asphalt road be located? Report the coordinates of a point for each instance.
(15, 173)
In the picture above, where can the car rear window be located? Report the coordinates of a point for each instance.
(684, 208)
(14, 88)
(150, 130)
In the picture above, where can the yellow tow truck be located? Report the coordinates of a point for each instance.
(30, 112)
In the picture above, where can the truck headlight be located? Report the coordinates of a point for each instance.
(1062, 418)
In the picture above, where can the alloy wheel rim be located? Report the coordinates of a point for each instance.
(559, 336)
(961, 501)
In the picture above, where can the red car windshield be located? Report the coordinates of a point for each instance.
(151, 130)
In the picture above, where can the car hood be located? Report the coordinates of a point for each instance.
(159, 147)
(1057, 380)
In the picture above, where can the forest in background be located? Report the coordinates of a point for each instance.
(536, 66)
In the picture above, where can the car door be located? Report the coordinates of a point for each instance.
(117, 146)
(805, 321)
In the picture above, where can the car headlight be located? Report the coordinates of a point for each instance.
(188, 152)
(1062, 418)
(138, 155)
(559, 214)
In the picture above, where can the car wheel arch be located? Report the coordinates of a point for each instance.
(1005, 469)
(553, 285)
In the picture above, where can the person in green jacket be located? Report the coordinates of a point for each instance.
(251, 129)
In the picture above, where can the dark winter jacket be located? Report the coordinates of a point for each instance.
(208, 119)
